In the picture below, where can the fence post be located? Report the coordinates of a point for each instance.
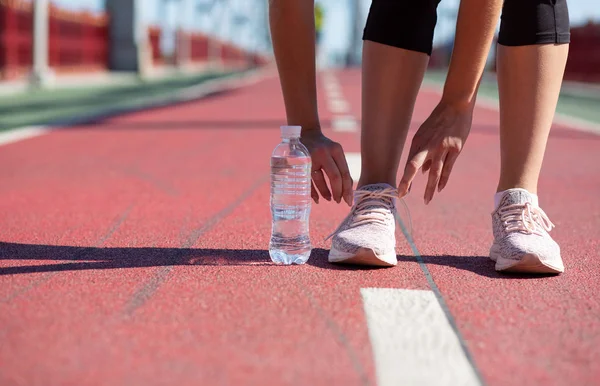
(184, 39)
(8, 43)
(128, 38)
(41, 74)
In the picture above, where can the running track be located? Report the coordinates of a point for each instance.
(133, 252)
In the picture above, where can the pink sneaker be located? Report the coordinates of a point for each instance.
(521, 239)
(367, 236)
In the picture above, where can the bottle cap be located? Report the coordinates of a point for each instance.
(291, 131)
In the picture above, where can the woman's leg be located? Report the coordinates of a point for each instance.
(530, 65)
(532, 53)
(398, 38)
(391, 79)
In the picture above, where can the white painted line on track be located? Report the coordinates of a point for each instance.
(334, 94)
(354, 165)
(413, 343)
(329, 76)
(228, 82)
(336, 102)
(17, 135)
(344, 123)
(339, 106)
(333, 91)
(330, 81)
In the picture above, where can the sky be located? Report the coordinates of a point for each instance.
(336, 30)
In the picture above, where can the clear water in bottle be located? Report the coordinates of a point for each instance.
(290, 199)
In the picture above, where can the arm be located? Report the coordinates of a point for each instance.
(475, 28)
(292, 25)
(293, 33)
(440, 139)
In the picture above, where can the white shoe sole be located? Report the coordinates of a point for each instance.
(363, 256)
(529, 263)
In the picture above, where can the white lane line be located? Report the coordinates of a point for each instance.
(339, 106)
(413, 343)
(354, 165)
(333, 91)
(220, 84)
(344, 123)
(330, 79)
(330, 82)
(334, 94)
(23, 133)
(329, 76)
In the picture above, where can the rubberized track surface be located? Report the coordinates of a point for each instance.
(133, 252)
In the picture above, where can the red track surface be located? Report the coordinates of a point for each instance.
(133, 251)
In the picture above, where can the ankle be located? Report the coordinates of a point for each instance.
(531, 188)
(500, 193)
(363, 181)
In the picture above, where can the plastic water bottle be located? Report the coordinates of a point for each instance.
(290, 199)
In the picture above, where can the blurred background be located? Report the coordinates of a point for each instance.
(79, 48)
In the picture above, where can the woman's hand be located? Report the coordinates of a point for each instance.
(328, 159)
(436, 146)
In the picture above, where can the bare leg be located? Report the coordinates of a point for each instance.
(391, 78)
(529, 80)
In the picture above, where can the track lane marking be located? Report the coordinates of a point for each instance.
(413, 342)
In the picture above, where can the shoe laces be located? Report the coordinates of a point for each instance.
(368, 208)
(525, 218)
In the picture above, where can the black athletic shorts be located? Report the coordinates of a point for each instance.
(409, 24)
